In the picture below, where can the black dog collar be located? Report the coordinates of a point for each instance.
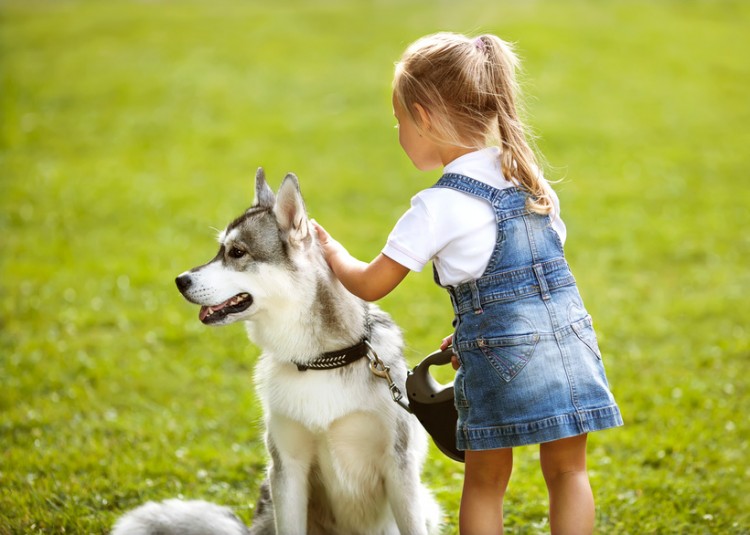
(337, 359)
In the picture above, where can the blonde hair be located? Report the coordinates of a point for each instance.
(469, 90)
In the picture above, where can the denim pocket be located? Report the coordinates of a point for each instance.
(510, 354)
(584, 330)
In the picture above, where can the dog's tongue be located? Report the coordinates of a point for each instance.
(205, 311)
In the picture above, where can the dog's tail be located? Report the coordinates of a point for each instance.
(196, 517)
(180, 517)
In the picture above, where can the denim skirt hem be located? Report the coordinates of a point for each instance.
(546, 430)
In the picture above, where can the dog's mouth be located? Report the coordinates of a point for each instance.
(216, 313)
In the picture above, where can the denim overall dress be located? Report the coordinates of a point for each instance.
(531, 370)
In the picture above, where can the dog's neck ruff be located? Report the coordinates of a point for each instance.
(337, 359)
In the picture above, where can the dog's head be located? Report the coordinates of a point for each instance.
(256, 258)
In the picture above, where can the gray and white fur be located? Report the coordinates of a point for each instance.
(344, 458)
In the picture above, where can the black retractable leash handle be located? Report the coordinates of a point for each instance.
(432, 403)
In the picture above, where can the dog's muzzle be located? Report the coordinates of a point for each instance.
(214, 313)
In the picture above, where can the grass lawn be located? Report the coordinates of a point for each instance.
(130, 131)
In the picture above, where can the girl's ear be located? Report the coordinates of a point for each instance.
(424, 117)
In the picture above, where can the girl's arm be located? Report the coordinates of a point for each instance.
(367, 281)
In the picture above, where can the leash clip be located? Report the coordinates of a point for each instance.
(379, 369)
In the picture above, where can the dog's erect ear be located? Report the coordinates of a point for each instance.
(290, 210)
(263, 193)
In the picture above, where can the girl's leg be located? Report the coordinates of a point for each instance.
(571, 502)
(486, 477)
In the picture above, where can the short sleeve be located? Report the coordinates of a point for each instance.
(411, 243)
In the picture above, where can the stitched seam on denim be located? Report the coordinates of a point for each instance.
(462, 299)
(598, 413)
(493, 196)
(484, 192)
(510, 295)
(549, 266)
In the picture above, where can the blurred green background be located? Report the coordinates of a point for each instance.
(131, 131)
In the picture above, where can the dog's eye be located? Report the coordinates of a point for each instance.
(236, 252)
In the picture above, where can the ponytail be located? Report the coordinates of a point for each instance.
(469, 88)
(517, 158)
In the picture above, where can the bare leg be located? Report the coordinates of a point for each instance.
(571, 502)
(485, 480)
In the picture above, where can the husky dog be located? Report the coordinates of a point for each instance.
(344, 458)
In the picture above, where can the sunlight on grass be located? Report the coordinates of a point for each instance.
(131, 131)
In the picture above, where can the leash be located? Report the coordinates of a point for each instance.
(344, 357)
(430, 402)
(379, 369)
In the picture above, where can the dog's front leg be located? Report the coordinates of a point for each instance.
(414, 509)
(292, 449)
(405, 501)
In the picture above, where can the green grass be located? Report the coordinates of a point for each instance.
(130, 131)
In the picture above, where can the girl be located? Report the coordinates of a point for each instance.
(529, 368)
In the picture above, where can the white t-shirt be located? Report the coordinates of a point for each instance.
(456, 230)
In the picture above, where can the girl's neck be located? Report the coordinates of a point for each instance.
(448, 153)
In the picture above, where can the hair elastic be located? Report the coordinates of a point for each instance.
(479, 44)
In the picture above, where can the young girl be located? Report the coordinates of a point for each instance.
(529, 368)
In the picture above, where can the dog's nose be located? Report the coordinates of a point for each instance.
(183, 282)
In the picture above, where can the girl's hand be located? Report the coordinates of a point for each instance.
(330, 246)
(368, 281)
(447, 341)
